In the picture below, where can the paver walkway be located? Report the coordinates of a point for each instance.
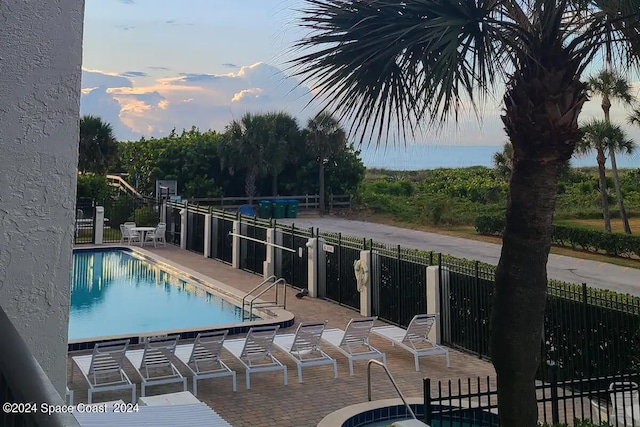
(270, 402)
(560, 267)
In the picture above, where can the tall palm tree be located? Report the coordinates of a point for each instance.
(594, 138)
(98, 149)
(325, 138)
(392, 66)
(604, 137)
(612, 87)
(283, 132)
(244, 147)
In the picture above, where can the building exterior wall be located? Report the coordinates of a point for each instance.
(40, 69)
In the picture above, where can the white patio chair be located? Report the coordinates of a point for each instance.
(303, 347)
(203, 358)
(353, 342)
(254, 352)
(625, 401)
(153, 363)
(157, 235)
(103, 369)
(415, 339)
(128, 235)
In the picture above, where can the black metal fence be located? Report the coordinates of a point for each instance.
(174, 224)
(398, 280)
(294, 266)
(221, 241)
(604, 401)
(195, 232)
(466, 293)
(85, 221)
(253, 253)
(340, 283)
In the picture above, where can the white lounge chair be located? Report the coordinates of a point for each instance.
(254, 352)
(154, 365)
(625, 401)
(128, 235)
(103, 369)
(415, 339)
(157, 235)
(353, 342)
(303, 347)
(203, 358)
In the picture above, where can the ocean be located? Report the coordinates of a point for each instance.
(416, 157)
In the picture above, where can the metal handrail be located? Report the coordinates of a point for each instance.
(284, 301)
(266, 281)
(395, 385)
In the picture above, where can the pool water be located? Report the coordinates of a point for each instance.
(114, 292)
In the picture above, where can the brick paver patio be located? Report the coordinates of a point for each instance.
(269, 402)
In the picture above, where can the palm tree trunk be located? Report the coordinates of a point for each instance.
(250, 184)
(321, 205)
(541, 119)
(603, 189)
(521, 285)
(616, 184)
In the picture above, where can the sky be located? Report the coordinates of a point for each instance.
(153, 65)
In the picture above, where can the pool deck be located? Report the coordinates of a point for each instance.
(269, 402)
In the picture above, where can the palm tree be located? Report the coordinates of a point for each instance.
(391, 67)
(325, 138)
(612, 87)
(503, 160)
(283, 132)
(595, 135)
(244, 147)
(604, 137)
(98, 149)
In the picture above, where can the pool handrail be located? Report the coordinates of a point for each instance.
(275, 303)
(395, 385)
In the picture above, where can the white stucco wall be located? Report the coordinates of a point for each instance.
(40, 59)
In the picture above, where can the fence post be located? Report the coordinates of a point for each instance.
(365, 288)
(98, 226)
(207, 235)
(268, 266)
(433, 302)
(312, 267)
(555, 410)
(235, 245)
(163, 211)
(183, 227)
(426, 390)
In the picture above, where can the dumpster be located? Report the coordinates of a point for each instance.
(279, 209)
(292, 208)
(264, 209)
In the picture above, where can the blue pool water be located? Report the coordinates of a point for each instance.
(114, 292)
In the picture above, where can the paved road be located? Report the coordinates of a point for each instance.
(575, 270)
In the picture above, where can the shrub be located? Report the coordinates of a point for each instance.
(146, 216)
(575, 237)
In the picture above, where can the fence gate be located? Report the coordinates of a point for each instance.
(341, 285)
(222, 242)
(174, 224)
(294, 267)
(252, 253)
(195, 232)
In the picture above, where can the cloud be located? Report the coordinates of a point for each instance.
(134, 74)
(159, 68)
(127, 1)
(170, 21)
(125, 27)
(208, 101)
(229, 65)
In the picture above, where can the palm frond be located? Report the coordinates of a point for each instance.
(379, 63)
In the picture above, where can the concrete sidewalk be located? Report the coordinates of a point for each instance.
(574, 270)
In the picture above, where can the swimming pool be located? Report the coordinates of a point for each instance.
(120, 293)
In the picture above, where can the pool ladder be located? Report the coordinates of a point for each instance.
(395, 385)
(250, 299)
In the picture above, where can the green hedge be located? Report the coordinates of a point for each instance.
(577, 238)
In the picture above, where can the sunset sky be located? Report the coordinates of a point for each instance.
(152, 65)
